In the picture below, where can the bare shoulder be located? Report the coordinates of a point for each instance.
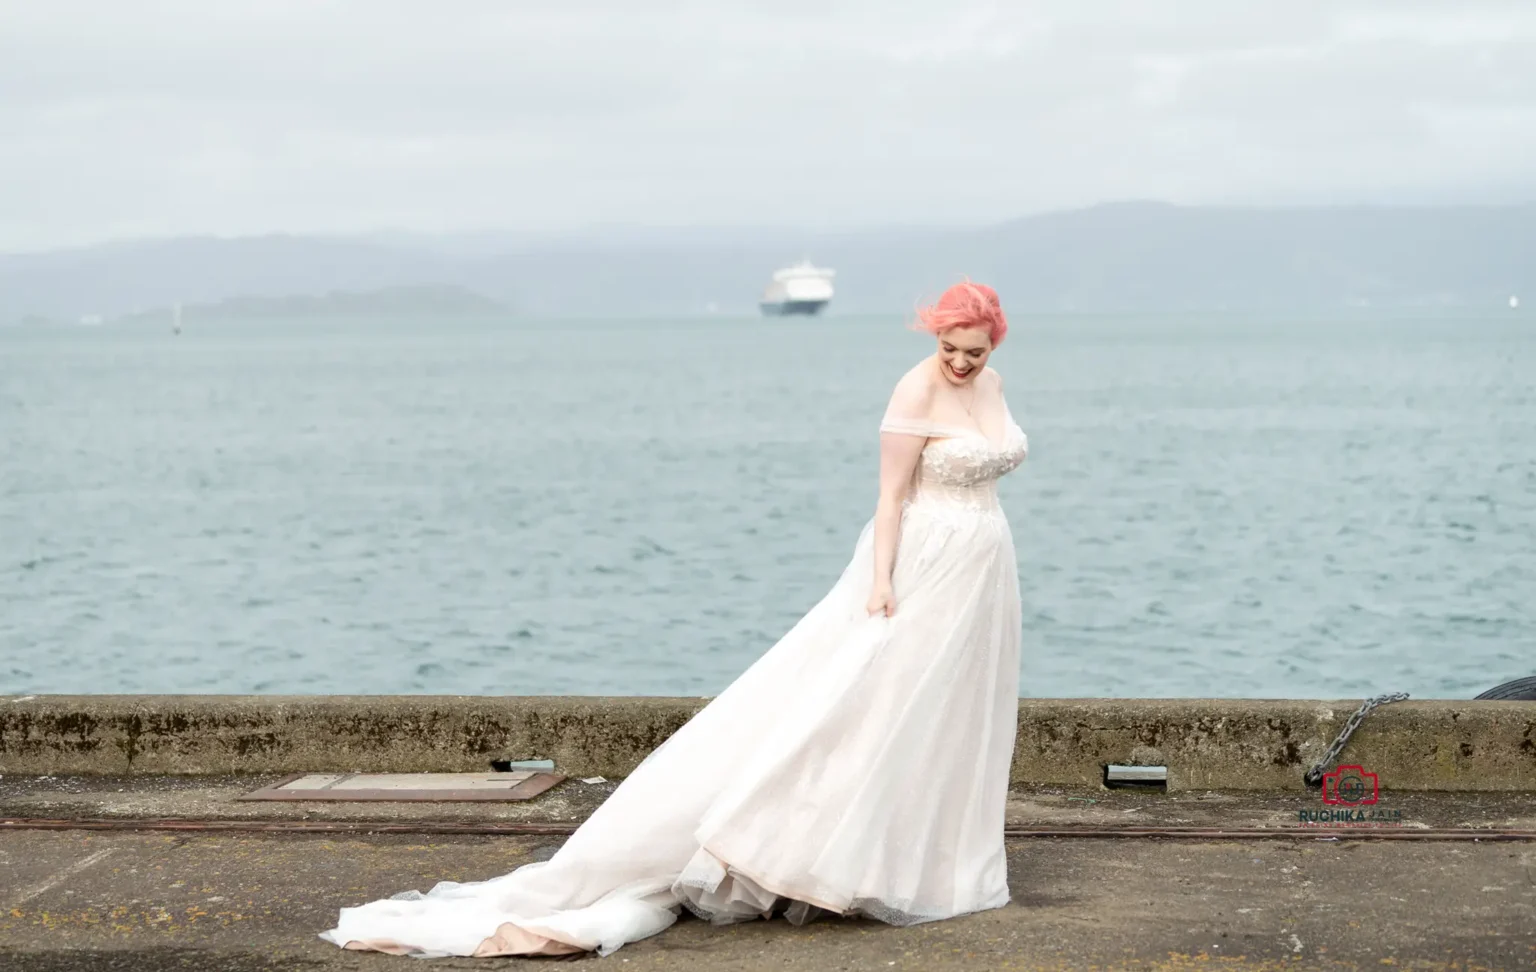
(916, 387)
(992, 375)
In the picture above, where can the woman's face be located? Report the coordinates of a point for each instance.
(963, 352)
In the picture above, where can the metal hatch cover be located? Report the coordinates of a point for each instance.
(409, 787)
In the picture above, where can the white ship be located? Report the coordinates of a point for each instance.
(800, 289)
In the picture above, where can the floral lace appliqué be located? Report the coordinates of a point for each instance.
(958, 475)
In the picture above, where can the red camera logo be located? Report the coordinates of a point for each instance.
(1350, 786)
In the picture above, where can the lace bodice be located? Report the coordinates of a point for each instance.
(960, 465)
(962, 470)
(971, 459)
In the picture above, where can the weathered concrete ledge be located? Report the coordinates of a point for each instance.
(1229, 744)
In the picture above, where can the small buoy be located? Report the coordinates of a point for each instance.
(1518, 690)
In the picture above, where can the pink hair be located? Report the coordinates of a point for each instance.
(965, 304)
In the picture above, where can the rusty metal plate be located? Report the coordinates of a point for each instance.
(409, 787)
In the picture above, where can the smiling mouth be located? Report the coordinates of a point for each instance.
(958, 373)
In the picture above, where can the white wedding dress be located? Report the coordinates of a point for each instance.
(859, 766)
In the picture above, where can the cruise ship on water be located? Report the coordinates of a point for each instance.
(800, 289)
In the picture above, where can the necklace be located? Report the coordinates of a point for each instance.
(973, 395)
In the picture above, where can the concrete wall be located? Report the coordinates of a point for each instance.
(1205, 743)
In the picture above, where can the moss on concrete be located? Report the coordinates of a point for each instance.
(1255, 744)
(1265, 744)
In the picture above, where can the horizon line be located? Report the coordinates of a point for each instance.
(593, 232)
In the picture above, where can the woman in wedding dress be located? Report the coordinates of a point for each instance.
(859, 767)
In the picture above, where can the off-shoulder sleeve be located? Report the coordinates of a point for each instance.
(909, 408)
(907, 411)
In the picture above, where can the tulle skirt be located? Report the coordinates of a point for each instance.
(859, 767)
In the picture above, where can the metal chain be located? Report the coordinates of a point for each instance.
(1314, 775)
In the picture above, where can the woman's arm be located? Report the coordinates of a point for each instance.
(899, 453)
(901, 445)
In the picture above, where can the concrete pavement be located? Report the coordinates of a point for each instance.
(73, 900)
(144, 902)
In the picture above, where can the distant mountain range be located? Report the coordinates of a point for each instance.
(436, 300)
(1115, 257)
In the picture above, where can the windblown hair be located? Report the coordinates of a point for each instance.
(965, 304)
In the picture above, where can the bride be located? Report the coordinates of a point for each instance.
(859, 767)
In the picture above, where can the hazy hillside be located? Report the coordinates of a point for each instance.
(123, 278)
(1129, 256)
(433, 300)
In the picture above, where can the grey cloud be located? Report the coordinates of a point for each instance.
(244, 116)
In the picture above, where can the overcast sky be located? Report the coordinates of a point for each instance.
(122, 118)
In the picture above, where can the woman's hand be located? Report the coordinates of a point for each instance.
(881, 601)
